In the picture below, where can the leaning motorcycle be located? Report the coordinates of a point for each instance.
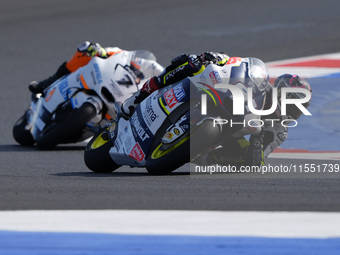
(168, 128)
(76, 106)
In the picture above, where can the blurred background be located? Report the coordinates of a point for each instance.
(37, 36)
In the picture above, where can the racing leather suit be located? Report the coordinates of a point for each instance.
(237, 151)
(183, 66)
(85, 52)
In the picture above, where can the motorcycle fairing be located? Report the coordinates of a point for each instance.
(117, 84)
(175, 95)
(132, 138)
(126, 149)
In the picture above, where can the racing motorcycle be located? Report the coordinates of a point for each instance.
(168, 128)
(76, 106)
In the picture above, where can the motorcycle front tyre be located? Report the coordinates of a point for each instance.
(96, 155)
(161, 162)
(21, 134)
(164, 162)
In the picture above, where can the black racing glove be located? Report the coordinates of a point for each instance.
(209, 58)
(219, 58)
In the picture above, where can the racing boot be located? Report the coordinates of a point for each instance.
(38, 87)
(254, 155)
(130, 104)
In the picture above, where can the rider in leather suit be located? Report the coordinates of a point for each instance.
(239, 151)
(85, 52)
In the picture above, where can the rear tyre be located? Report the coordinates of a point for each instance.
(21, 134)
(67, 129)
(96, 155)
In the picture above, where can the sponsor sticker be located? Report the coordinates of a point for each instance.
(139, 129)
(98, 73)
(63, 88)
(233, 60)
(215, 77)
(176, 131)
(149, 114)
(137, 153)
(49, 95)
(174, 95)
(168, 135)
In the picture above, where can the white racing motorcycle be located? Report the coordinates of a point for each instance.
(168, 128)
(78, 105)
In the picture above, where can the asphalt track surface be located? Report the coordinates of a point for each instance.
(37, 36)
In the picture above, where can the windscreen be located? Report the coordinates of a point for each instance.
(145, 55)
(258, 73)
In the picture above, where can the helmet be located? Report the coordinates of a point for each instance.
(286, 81)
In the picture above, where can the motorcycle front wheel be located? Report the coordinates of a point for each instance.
(96, 155)
(21, 134)
(163, 159)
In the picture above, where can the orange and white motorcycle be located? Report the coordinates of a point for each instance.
(78, 105)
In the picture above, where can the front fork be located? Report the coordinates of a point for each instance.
(177, 131)
(183, 128)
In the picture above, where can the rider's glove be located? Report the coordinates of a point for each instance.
(92, 50)
(208, 58)
(96, 50)
(192, 60)
(213, 58)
